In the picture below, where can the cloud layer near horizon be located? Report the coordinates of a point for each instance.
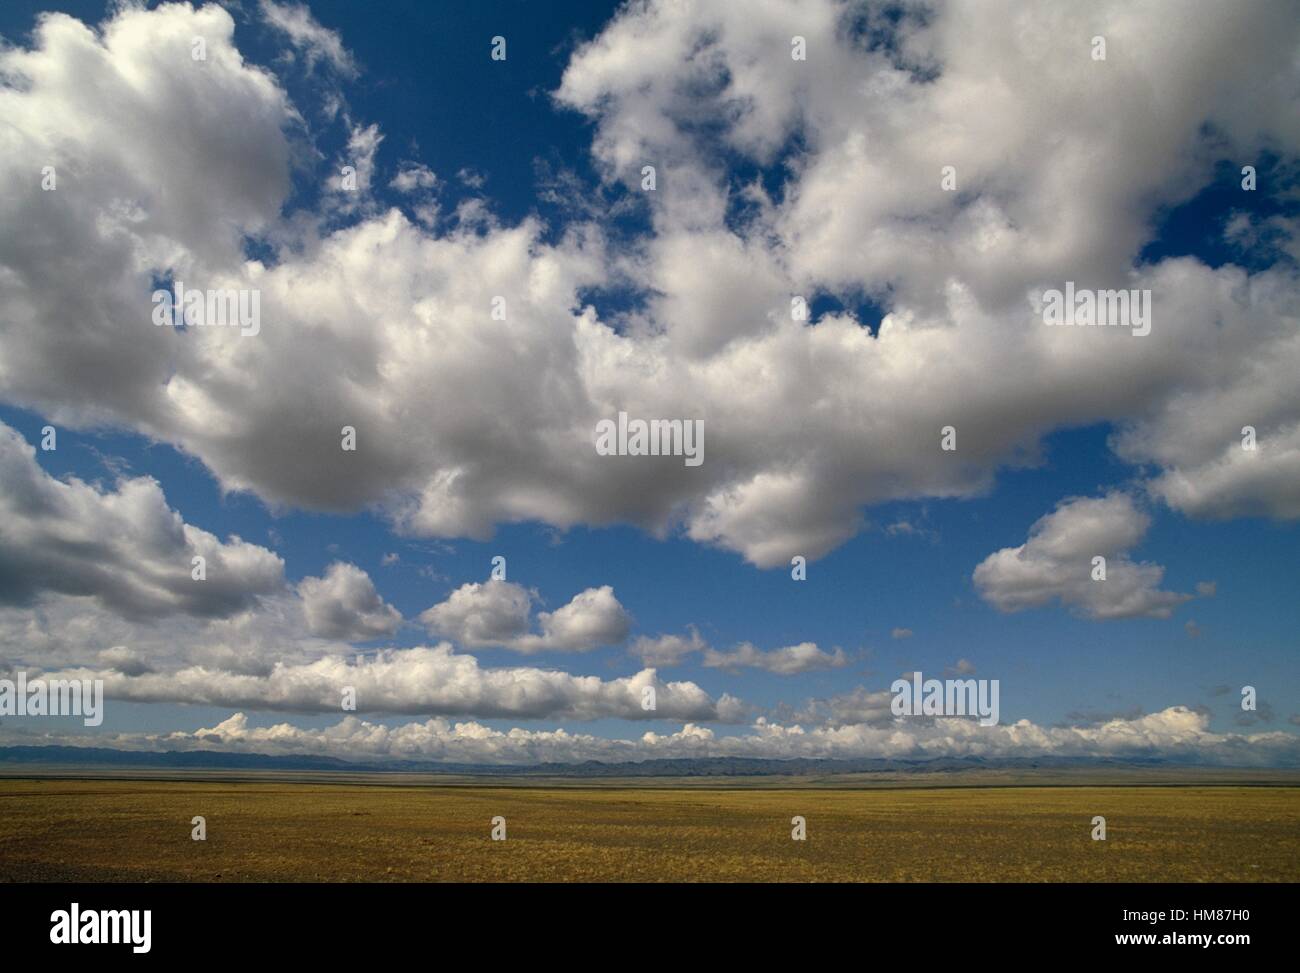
(1177, 733)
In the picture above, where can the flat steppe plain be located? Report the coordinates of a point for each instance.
(984, 827)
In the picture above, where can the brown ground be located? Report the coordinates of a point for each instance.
(132, 830)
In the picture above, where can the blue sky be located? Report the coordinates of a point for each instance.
(424, 77)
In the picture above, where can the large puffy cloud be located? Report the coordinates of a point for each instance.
(429, 680)
(62, 631)
(496, 614)
(1056, 562)
(1229, 442)
(464, 422)
(345, 605)
(124, 547)
(1008, 95)
(881, 105)
(1176, 733)
(161, 160)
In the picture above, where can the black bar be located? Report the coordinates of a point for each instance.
(664, 923)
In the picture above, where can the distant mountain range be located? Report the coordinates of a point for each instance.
(11, 757)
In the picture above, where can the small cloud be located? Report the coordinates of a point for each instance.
(497, 614)
(1263, 713)
(471, 178)
(901, 633)
(316, 42)
(905, 528)
(1058, 561)
(117, 465)
(1192, 628)
(668, 650)
(963, 667)
(1207, 589)
(413, 176)
(787, 661)
(857, 708)
(343, 604)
